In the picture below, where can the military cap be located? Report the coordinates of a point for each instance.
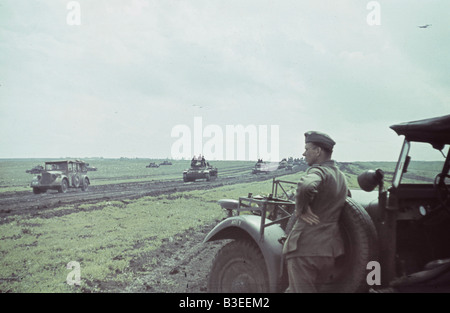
(321, 139)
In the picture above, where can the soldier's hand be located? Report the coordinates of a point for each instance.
(309, 217)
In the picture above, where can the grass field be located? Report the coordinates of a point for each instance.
(105, 237)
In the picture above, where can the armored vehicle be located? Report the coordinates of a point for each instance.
(200, 169)
(61, 175)
(91, 168)
(283, 164)
(298, 161)
(36, 170)
(152, 164)
(395, 238)
(260, 167)
(166, 163)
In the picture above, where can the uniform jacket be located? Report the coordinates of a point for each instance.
(324, 189)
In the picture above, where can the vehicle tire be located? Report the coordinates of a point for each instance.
(208, 177)
(360, 243)
(64, 186)
(238, 267)
(361, 247)
(185, 179)
(85, 185)
(36, 190)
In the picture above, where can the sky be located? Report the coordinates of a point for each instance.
(110, 78)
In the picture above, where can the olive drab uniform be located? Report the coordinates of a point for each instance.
(310, 250)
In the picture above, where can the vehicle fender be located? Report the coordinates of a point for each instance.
(34, 182)
(248, 227)
(58, 180)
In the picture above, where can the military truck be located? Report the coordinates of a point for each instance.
(395, 238)
(200, 169)
(61, 175)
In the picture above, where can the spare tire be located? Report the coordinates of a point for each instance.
(361, 247)
(76, 181)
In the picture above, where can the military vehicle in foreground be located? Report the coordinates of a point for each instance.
(61, 175)
(200, 169)
(396, 238)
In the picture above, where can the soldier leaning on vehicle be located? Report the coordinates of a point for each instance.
(315, 240)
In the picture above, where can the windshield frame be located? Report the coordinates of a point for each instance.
(402, 163)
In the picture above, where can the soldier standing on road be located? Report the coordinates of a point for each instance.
(315, 240)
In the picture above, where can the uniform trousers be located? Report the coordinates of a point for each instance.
(308, 273)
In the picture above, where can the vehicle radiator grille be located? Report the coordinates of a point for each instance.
(46, 178)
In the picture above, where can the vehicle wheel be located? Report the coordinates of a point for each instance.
(208, 177)
(64, 186)
(85, 185)
(36, 190)
(238, 267)
(360, 244)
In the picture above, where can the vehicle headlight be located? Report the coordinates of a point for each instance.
(370, 179)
